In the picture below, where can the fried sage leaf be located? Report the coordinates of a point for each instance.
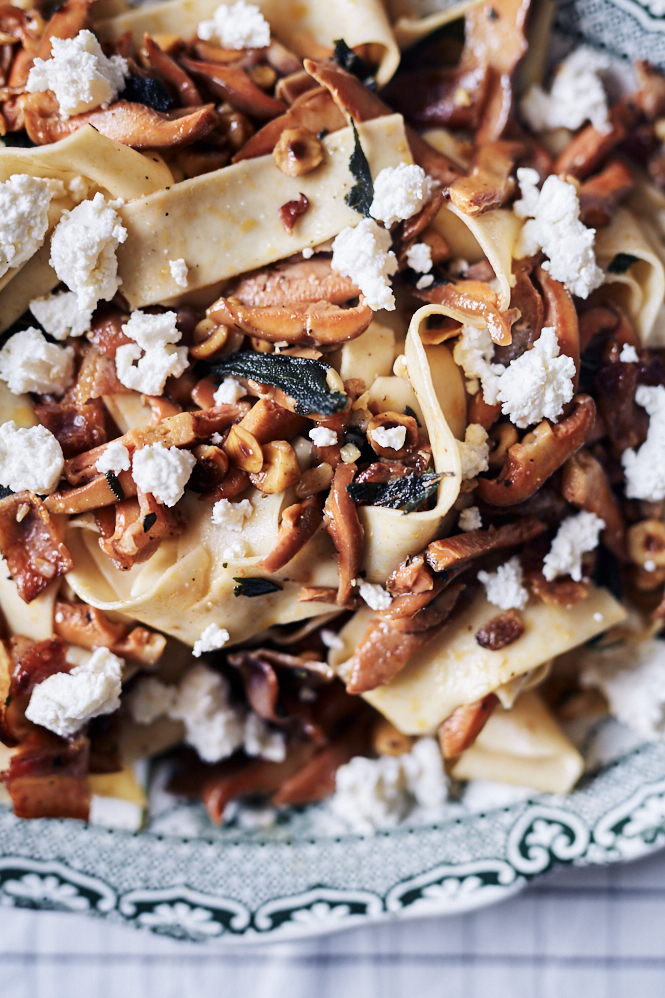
(622, 262)
(254, 587)
(352, 63)
(361, 194)
(115, 486)
(406, 493)
(300, 378)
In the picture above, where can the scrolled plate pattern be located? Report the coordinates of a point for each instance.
(247, 889)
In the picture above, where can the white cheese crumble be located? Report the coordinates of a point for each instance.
(473, 352)
(234, 551)
(24, 204)
(392, 437)
(179, 271)
(61, 316)
(537, 384)
(362, 253)
(150, 699)
(212, 638)
(553, 225)
(29, 363)
(157, 358)
(241, 26)
(321, 436)
(375, 596)
(330, 639)
(629, 354)
(470, 519)
(645, 468)
(229, 392)
(400, 192)
(504, 587)
(65, 701)
(162, 471)
(419, 258)
(232, 515)
(632, 677)
(30, 458)
(79, 74)
(114, 458)
(263, 742)
(576, 535)
(83, 250)
(576, 95)
(474, 451)
(373, 794)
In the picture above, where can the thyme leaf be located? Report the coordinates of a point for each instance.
(254, 587)
(149, 521)
(352, 63)
(115, 486)
(361, 194)
(406, 493)
(301, 379)
(621, 263)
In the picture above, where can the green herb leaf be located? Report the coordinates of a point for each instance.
(361, 194)
(408, 411)
(301, 379)
(5, 491)
(406, 493)
(148, 521)
(352, 63)
(115, 486)
(255, 587)
(621, 263)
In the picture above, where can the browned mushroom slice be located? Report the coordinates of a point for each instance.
(289, 283)
(268, 421)
(562, 591)
(317, 594)
(600, 195)
(650, 98)
(86, 626)
(450, 98)
(585, 485)
(474, 298)
(463, 548)
(93, 495)
(561, 314)
(314, 110)
(626, 421)
(172, 74)
(500, 631)
(67, 21)
(306, 323)
(233, 485)
(343, 525)
(299, 523)
(30, 544)
(591, 147)
(385, 649)
(459, 731)
(538, 455)
(527, 299)
(232, 84)
(412, 576)
(489, 183)
(140, 526)
(77, 428)
(130, 124)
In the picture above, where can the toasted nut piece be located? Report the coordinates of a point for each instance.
(280, 467)
(244, 450)
(297, 152)
(502, 436)
(646, 543)
(263, 76)
(261, 346)
(388, 420)
(203, 329)
(212, 465)
(314, 480)
(215, 342)
(389, 740)
(269, 421)
(237, 128)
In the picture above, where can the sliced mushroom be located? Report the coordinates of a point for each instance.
(585, 485)
(474, 299)
(315, 110)
(489, 184)
(172, 74)
(280, 469)
(560, 313)
(600, 195)
(459, 731)
(77, 428)
(440, 98)
(140, 526)
(232, 84)
(93, 495)
(268, 421)
(462, 548)
(299, 523)
(343, 525)
(289, 283)
(30, 544)
(67, 21)
(412, 576)
(591, 147)
(528, 300)
(538, 455)
(306, 323)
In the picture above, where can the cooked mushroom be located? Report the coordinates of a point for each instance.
(459, 731)
(560, 313)
(585, 485)
(314, 110)
(172, 74)
(307, 323)
(343, 525)
(474, 298)
(463, 548)
(290, 283)
(232, 84)
(140, 526)
(30, 544)
(489, 184)
(600, 195)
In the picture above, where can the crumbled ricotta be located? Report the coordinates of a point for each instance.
(374, 794)
(473, 352)
(504, 587)
(150, 699)
(393, 437)
(629, 355)
(321, 436)
(30, 458)
(212, 638)
(474, 451)
(241, 26)
(114, 458)
(553, 225)
(645, 468)
(577, 95)
(162, 471)
(330, 639)
(419, 258)
(179, 271)
(212, 725)
(576, 535)
(236, 550)
(229, 392)
(65, 701)
(29, 363)
(24, 204)
(470, 519)
(79, 74)
(61, 316)
(400, 192)
(153, 349)
(632, 677)
(83, 250)
(263, 742)
(375, 596)
(537, 384)
(362, 252)
(232, 515)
